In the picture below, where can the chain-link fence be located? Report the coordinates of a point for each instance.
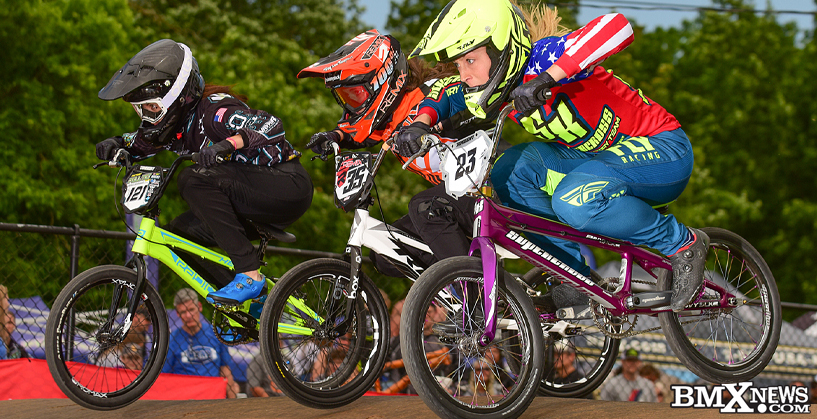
(38, 261)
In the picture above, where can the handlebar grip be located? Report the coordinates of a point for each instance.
(196, 156)
(543, 95)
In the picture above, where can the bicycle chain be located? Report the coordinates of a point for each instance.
(601, 323)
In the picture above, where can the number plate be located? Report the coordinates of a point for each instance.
(139, 188)
(351, 176)
(465, 164)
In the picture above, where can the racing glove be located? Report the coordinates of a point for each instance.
(408, 139)
(209, 156)
(533, 94)
(106, 149)
(320, 143)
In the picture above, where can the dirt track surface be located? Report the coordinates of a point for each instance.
(396, 407)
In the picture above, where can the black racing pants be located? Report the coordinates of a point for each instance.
(443, 223)
(223, 198)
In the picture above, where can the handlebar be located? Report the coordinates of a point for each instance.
(123, 159)
(427, 141)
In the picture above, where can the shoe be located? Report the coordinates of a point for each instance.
(241, 289)
(562, 295)
(688, 270)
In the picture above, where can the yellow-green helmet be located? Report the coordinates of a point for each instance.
(464, 25)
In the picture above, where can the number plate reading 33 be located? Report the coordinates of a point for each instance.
(465, 163)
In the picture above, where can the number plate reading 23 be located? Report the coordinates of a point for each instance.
(465, 164)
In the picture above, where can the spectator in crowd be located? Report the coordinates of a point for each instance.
(13, 349)
(323, 365)
(629, 386)
(259, 380)
(483, 380)
(131, 348)
(131, 356)
(392, 376)
(564, 362)
(663, 382)
(195, 350)
(4, 308)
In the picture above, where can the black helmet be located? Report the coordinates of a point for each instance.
(163, 84)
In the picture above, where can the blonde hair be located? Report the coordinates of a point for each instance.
(542, 21)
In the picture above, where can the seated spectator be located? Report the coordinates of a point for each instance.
(133, 348)
(324, 366)
(131, 356)
(629, 386)
(564, 361)
(259, 381)
(4, 308)
(483, 380)
(13, 349)
(663, 382)
(195, 350)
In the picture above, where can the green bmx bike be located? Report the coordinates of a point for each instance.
(99, 312)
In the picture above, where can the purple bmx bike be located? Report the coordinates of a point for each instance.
(503, 350)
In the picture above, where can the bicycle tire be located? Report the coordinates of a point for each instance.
(590, 353)
(89, 297)
(446, 395)
(746, 275)
(295, 361)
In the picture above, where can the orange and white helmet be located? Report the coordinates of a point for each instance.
(366, 76)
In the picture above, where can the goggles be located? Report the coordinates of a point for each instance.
(151, 110)
(352, 98)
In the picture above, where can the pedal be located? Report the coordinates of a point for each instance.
(580, 312)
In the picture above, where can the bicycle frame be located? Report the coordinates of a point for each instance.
(158, 243)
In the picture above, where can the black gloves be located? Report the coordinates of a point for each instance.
(106, 149)
(408, 139)
(533, 94)
(320, 143)
(208, 156)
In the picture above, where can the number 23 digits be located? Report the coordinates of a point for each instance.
(466, 163)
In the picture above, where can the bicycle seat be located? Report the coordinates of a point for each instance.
(272, 232)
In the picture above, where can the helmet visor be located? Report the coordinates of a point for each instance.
(352, 97)
(151, 110)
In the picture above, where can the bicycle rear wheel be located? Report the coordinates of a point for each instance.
(91, 365)
(727, 345)
(439, 334)
(316, 362)
(578, 356)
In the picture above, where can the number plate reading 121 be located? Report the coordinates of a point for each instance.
(351, 172)
(139, 188)
(465, 163)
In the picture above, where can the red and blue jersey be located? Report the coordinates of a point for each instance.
(591, 109)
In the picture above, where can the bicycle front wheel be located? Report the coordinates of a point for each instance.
(318, 357)
(440, 331)
(727, 345)
(91, 363)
